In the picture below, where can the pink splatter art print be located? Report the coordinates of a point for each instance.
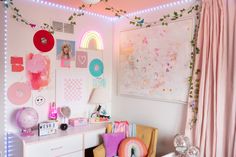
(152, 61)
(38, 70)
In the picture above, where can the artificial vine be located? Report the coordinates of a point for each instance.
(17, 16)
(194, 79)
(72, 18)
(164, 20)
(137, 21)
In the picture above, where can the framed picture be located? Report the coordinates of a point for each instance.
(154, 62)
(72, 89)
(65, 52)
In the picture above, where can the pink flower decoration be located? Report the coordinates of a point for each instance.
(36, 64)
(32, 25)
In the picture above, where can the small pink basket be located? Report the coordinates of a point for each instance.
(78, 121)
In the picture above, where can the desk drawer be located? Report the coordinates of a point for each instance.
(93, 138)
(55, 147)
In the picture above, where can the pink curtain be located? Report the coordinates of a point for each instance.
(214, 130)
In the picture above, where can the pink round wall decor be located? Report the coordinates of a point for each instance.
(19, 93)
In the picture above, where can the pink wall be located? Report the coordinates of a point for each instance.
(20, 44)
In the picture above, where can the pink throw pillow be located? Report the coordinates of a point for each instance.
(111, 143)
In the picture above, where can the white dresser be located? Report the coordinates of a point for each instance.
(69, 143)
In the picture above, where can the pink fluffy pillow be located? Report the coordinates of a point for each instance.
(111, 143)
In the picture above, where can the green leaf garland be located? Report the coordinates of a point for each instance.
(17, 16)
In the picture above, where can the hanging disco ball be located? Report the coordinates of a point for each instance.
(181, 143)
(192, 152)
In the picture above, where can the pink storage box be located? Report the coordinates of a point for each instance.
(78, 121)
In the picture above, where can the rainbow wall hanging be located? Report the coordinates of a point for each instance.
(92, 40)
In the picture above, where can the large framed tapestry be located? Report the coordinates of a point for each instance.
(154, 62)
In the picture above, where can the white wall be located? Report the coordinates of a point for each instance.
(1, 78)
(169, 118)
(20, 43)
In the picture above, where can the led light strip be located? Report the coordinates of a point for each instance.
(72, 9)
(8, 140)
(159, 7)
(113, 19)
(5, 83)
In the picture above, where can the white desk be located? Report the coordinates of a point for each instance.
(169, 155)
(69, 143)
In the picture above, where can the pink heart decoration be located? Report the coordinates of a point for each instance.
(82, 59)
(65, 111)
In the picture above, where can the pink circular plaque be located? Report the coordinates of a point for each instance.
(19, 93)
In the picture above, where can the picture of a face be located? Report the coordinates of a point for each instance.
(65, 49)
(40, 100)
